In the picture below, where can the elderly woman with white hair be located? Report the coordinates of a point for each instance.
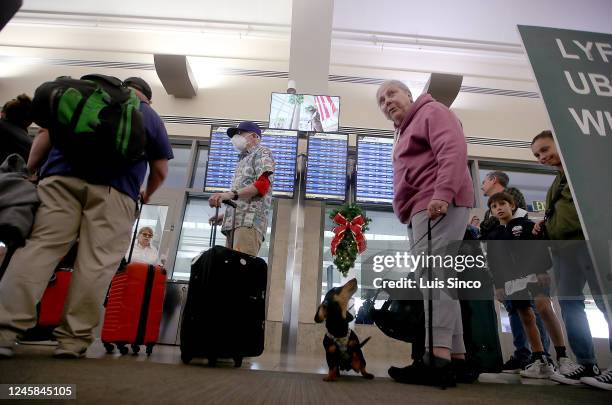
(431, 182)
(144, 252)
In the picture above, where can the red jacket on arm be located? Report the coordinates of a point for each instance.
(262, 184)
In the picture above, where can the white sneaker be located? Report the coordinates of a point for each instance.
(603, 381)
(6, 352)
(61, 353)
(538, 369)
(574, 373)
(566, 365)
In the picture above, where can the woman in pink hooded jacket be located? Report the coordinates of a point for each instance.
(431, 180)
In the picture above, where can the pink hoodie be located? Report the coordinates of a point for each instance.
(430, 160)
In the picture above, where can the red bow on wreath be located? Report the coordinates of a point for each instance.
(344, 225)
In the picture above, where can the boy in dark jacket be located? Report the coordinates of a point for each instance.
(519, 273)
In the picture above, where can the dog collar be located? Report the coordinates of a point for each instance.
(343, 341)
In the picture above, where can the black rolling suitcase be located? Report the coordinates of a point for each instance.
(479, 317)
(224, 315)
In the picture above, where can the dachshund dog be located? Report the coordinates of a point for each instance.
(342, 347)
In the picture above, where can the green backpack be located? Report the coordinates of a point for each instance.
(92, 121)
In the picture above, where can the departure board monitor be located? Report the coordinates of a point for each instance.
(326, 170)
(283, 145)
(222, 160)
(374, 170)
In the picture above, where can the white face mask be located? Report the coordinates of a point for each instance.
(239, 142)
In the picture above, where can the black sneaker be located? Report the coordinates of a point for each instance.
(603, 381)
(419, 373)
(465, 372)
(515, 365)
(573, 374)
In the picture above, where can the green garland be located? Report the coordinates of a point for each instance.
(346, 252)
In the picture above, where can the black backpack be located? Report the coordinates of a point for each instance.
(92, 121)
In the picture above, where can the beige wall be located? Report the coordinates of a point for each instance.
(246, 97)
(279, 262)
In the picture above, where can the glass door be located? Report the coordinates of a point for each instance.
(159, 222)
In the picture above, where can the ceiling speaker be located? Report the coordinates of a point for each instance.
(444, 88)
(176, 75)
(8, 10)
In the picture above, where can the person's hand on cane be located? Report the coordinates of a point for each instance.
(437, 208)
(500, 294)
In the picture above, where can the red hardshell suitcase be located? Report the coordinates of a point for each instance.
(134, 307)
(134, 304)
(54, 297)
(52, 302)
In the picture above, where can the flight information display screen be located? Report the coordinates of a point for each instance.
(283, 145)
(374, 170)
(222, 160)
(326, 170)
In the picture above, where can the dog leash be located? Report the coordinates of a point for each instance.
(429, 228)
(430, 293)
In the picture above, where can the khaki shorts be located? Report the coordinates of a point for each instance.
(246, 240)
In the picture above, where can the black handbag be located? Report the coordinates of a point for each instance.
(401, 319)
(364, 315)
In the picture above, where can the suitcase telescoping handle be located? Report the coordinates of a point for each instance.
(213, 234)
(139, 208)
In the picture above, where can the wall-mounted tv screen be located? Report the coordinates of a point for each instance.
(304, 112)
(326, 169)
(374, 170)
(283, 145)
(222, 160)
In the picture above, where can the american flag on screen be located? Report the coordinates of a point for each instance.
(325, 106)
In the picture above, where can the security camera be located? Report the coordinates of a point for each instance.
(291, 87)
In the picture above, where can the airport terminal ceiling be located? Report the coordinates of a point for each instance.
(473, 27)
(472, 20)
(246, 45)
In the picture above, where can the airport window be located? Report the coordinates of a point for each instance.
(596, 319)
(200, 170)
(385, 234)
(196, 234)
(533, 186)
(178, 167)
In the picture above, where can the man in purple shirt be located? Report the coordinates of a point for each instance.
(100, 210)
(431, 181)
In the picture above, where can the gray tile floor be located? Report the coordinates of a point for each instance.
(287, 363)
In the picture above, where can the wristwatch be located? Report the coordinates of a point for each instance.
(235, 197)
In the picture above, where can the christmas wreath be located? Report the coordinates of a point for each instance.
(349, 239)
